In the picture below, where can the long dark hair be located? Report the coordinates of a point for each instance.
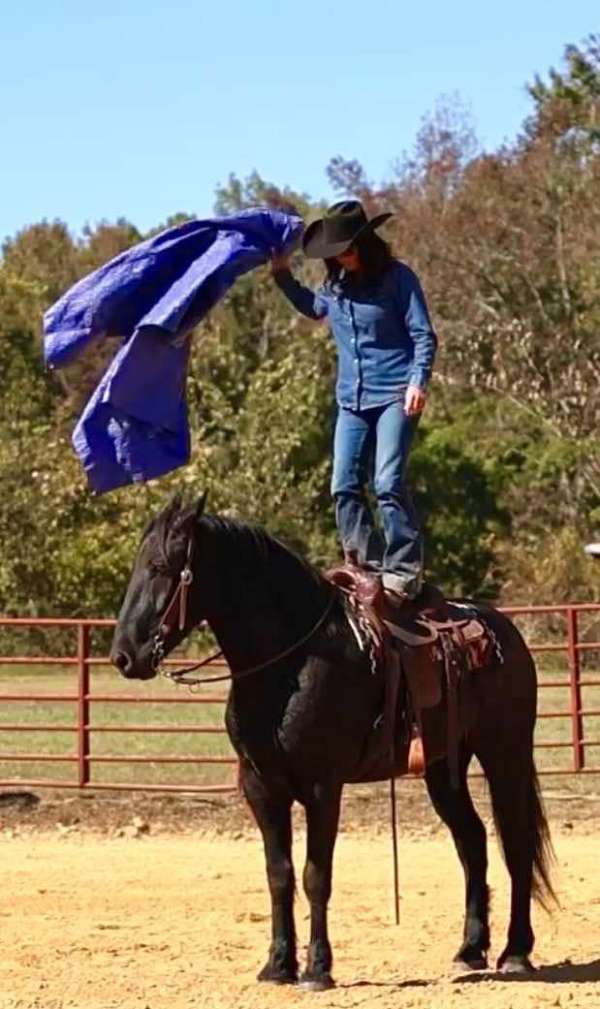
(375, 256)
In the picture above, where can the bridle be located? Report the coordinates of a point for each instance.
(179, 598)
(180, 595)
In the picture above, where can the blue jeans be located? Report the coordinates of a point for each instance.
(377, 442)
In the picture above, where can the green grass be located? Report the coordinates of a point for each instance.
(552, 669)
(112, 716)
(554, 698)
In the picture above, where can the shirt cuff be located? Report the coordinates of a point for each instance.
(420, 378)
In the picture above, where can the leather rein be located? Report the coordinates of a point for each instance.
(167, 624)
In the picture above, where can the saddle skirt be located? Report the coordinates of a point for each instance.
(425, 650)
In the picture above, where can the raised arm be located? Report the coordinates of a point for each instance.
(309, 303)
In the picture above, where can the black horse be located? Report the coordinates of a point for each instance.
(301, 709)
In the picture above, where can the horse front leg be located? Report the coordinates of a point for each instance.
(272, 810)
(322, 816)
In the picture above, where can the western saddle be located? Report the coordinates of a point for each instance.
(425, 648)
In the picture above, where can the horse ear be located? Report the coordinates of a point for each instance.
(200, 505)
(175, 504)
(175, 512)
(187, 518)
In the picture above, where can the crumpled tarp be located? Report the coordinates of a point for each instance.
(135, 426)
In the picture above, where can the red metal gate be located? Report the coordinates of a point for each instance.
(575, 642)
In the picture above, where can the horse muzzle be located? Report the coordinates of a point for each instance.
(131, 668)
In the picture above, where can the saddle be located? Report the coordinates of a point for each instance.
(425, 648)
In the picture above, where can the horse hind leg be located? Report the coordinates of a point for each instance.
(322, 816)
(272, 811)
(455, 808)
(524, 836)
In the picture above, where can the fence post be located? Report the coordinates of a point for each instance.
(83, 705)
(575, 689)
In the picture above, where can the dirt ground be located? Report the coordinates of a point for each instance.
(365, 807)
(142, 908)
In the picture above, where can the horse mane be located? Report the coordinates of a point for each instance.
(251, 544)
(252, 556)
(266, 571)
(259, 547)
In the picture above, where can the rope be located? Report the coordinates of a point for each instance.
(395, 847)
(181, 675)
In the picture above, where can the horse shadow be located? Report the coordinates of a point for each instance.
(564, 972)
(396, 985)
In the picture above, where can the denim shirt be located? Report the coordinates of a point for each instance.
(385, 340)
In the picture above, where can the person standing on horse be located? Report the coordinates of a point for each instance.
(386, 346)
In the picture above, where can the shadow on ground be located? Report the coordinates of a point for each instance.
(565, 972)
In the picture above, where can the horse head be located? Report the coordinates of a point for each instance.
(159, 608)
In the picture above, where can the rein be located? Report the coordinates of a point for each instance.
(181, 674)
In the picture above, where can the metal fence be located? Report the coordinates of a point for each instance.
(571, 628)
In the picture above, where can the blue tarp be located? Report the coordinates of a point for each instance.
(135, 425)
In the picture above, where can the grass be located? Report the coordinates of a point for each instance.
(107, 718)
(554, 698)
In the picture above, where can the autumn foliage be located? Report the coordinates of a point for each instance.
(507, 466)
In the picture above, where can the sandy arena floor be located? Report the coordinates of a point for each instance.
(98, 922)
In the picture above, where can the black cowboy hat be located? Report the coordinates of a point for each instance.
(338, 229)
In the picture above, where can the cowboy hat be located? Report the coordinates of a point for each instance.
(338, 229)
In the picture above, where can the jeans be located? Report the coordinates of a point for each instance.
(377, 441)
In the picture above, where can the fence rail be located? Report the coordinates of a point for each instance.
(83, 663)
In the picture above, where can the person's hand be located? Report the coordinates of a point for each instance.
(280, 261)
(414, 400)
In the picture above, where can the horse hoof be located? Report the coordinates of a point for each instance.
(321, 983)
(470, 963)
(518, 964)
(277, 975)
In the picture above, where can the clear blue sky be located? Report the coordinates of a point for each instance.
(138, 108)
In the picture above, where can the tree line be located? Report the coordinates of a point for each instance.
(506, 468)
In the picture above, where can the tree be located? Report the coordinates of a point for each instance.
(506, 467)
(254, 191)
(567, 107)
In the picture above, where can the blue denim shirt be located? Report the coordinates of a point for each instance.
(385, 340)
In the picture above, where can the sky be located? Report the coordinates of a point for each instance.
(140, 108)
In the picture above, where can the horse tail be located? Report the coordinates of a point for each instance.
(531, 832)
(543, 850)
